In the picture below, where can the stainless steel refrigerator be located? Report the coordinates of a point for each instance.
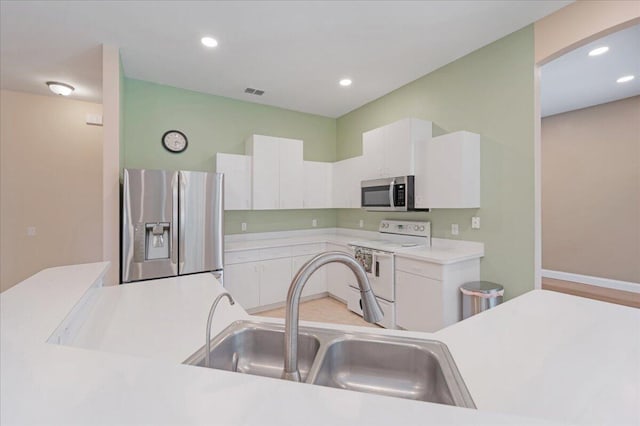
(172, 224)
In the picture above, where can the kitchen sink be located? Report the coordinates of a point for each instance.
(420, 370)
(256, 350)
(394, 366)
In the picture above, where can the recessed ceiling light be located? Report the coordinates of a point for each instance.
(345, 82)
(60, 88)
(599, 51)
(209, 41)
(625, 78)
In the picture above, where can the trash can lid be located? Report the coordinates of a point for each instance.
(486, 287)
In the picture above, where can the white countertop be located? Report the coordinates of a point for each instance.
(45, 383)
(442, 251)
(542, 357)
(553, 356)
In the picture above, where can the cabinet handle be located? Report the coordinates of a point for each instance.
(377, 268)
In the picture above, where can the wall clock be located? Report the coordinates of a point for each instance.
(174, 141)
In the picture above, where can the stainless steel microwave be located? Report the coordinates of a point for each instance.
(389, 194)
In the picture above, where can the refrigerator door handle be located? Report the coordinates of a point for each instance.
(180, 215)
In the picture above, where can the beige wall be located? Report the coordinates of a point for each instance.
(579, 23)
(111, 162)
(50, 178)
(591, 191)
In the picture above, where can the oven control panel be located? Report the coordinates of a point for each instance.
(405, 227)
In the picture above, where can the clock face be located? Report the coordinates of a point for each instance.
(174, 141)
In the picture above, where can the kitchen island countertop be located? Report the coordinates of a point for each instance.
(123, 364)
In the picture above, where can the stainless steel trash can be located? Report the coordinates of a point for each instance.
(478, 296)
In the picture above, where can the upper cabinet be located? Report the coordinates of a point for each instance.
(277, 170)
(318, 178)
(393, 150)
(347, 175)
(237, 180)
(451, 176)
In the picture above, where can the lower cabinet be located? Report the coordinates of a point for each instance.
(418, 302)
(428, 295)
(338, 275)
(242, 280)
(275, 277)
(261, 277)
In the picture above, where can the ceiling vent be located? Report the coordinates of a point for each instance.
(252, 91)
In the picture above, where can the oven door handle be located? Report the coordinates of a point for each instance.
(391, 185)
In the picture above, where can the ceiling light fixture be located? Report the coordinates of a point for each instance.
(345, 82)
(599, 51)
(625, 79)
(209, 41)
(60, 88)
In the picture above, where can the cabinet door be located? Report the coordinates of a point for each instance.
(237, 180)
(291, 175)
(418, 302)
(242, 280)
(275, 278)
(340, 192)
(373, 153)
(338, 276)
(265, 167)
(397, 149)
(317, 185)
(354, 175)
(317, 283)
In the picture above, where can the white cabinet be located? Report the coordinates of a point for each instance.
(275, 278)
(418, 302)
(452, 173)
(317, 190)
(338, 276)
(237, 180)
(277, 170)
(427, 294)
(242, 280)
(395, 149)
(347, 175)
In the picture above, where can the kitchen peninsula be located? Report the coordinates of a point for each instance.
(134, 372)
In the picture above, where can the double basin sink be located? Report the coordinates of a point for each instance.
(401, 367)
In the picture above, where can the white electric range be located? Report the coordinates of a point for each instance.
(377, 258)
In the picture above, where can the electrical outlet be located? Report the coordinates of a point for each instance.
(244, 227)
(454, 229)
(31, 231)
(475, 222)
(314, 222)
(361, 223)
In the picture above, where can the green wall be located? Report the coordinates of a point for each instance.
(489, 92)
(217, 124)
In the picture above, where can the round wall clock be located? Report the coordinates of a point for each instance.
(174, 141)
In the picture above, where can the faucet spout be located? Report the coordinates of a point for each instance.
(370, 307)
(214, 305)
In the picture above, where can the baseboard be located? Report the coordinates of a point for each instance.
(596, 281)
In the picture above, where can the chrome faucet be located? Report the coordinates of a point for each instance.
(370, 307)
(211, 311)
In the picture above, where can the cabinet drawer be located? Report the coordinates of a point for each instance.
(303, 249)
(275, 252)
(241, 256)
(425, 269)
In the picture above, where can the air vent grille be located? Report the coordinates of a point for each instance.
(253, 91)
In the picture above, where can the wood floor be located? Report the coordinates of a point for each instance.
(619, 297)
(326, 309)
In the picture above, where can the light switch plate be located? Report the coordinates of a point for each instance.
(31, 231)
(454, 229)
(243, 226)
(314, 222)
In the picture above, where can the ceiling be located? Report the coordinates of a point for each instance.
(295, 51)
(577, 80)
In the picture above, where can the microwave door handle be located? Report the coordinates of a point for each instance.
(391, 185)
